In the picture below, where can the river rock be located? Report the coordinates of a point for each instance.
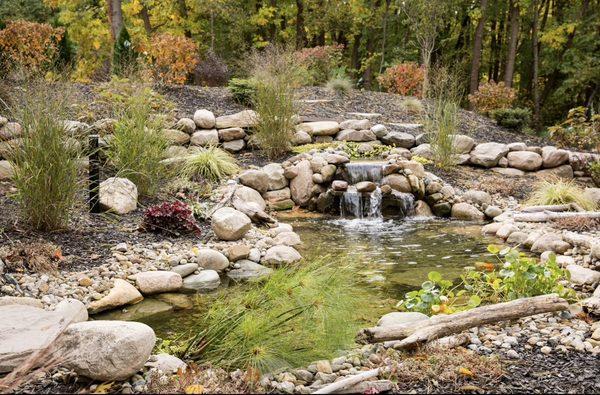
(492, 211)
(212, 259)
(505, 230)
(238, 252)
(398, 182)
(550, 242)
(230, 224)
(553, 157)
(401, 318)
(72, 310)
(424, 151)
(336, 159)
(583, 276)
(118, 195)
(467, 212)
(517, 238)
(176, 137)
(234, 145)
(150, 308)
(186, 125)
(488, 154)
(564, 171)
(281, 255)
(356, 135)
(107, 350)
(524, 160)
(422, 209)
(205, 137)
(477, 197)
(159, 281)
(301, 185)
(462, 144)
(379, 130)
(320, 128)
(328, 172)
(365, 186)
(256, 179)
(20, 300)
(166, 363)
(242, 119)
(339, 185)
(399, 139)
(278, 196)
(231, 134)
(248, 270)
(185, 270)
(592, 194)
(491, 228)
(205, 281)
(290, 239)
(121, 294)
(6, 170)
(275, 175)
(356, 124)
(301, 138)
(204, 119)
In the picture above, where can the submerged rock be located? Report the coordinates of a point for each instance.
(248, 270)
(205, 281)
(281, 255)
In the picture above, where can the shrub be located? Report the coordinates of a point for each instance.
(124, 57)
(212, 164)
(211, 70)
(120, 93)
(320, 61)
(29, 46)
(170, 217)
(276, 75)
(412, 106)
(295, 316)
(173, 58)
(405, 79)
(558, 191)
(340, 84)
(512, 118)
(138, 145)
(492, 96)
(242, 90)
(577, 130)
(47, 160)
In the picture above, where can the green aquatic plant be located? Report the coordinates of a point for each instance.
(293, 317)
(352, 149)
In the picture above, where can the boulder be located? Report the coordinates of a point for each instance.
(204, 119)
(366, 186)
(320, 128)
(477, 197)
(72, 310)
(205, 281)
(328, 172)
(301, 185)
(118, 195)
(256, 179)
(583, 276)
(107, 350)
(278, 196)
(401, 318)
(231, 134)
(424, 151)
(488, 154)
(592, 194)
(301, 138)
(553, 157)
(158, 282)
(492, 228)
(176, 137)
(336, 159)
(517, 238)
(290, 239)
(234, 146)
(550, 242)
(524, 160)
(356, 135)
(166, 363)
(208, 258)
(416, 168)
(281, 255)
(250, 195)
(20, 300)
(564, 171)
(186, 125)
(379, 130)
(339, 185)
(462, 144)
(505, 230)
(248, 270)
(238, 252)
(356, 124)
(230, 224)
(467, 212)
(517, 147)
(422, 209)
(122, 293)
(185, 269)
(276, 178)
(399, 139)
(398, 182)
(242, 119)
(205, 138)
(492, 211)
(6, 170)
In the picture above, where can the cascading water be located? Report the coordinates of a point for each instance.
(364, 171)
(361, 204)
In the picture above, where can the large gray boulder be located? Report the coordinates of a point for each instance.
(242, 119)
(121, 294)
(205, 281)
(204, 119)
(107, 350)
(118, 195)
(462, 144)
(250, 195)
(281, 255)
(399, 139)
(301, 185)
(488, 154)
(255, 179)
(230, 224)
(583, 276)
(212, 259)
(553, 157)
(158, 282)
(524, 160)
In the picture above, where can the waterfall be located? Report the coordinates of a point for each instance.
(364, 171)
(361, 204)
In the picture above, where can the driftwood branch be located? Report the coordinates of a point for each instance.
(552, 207)
(414, 334)
(546, 216)
(348, 382)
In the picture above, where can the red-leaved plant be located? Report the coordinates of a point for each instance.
(170, 217)
(404, 79)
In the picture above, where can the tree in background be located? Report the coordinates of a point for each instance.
(124, 56)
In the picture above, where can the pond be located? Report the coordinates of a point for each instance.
(393, 255)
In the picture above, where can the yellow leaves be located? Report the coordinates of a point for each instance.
(103, 388)
(556, 38)
(465, 372)
(194, 389)
(96, 44)
(173, 57)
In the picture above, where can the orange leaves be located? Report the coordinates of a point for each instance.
(405, 79)
(492, 96)
(173, 57)
(29, 45)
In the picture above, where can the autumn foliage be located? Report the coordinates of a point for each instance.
(28, 45)
(405, 79)
(320, 61)
(172, 57)
(492, 96)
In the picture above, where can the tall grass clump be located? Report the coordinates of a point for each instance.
(275, 73)
(46, 158)
(138, 145)
(340, 83)
(295, 316)
(442, 116)
(211, 164)
(558, 191)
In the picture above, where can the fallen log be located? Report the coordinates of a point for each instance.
(348, 382)
(552, 207)
(546, 216)
(439, 326)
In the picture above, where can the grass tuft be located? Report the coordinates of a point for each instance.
(340, 84)
(412, 106)
(558, 191)
(211, 163)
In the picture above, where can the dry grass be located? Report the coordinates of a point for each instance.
(36, 257)
(558, 191)
(577, 224)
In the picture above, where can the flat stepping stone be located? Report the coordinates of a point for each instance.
(368, 115)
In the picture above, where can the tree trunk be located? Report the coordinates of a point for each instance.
(355, 54)
(146, 19)
(115, 17)
(476, 63)
(498, 50)
(512, 43)
(272, 25)
(300, 33)
(534, 80)
(383, 40)
(493, 44)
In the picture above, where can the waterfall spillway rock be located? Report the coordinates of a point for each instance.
(364, 171)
